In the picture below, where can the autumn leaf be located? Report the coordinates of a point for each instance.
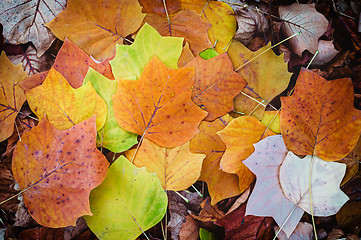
(239, 136)
(85, 24)
(176, 168)
(197, 5)
(128, 202)
(157, 6)
(303, 231)
(73, 64)
(221, 185)
(295, 179)
(186, 56)
(320, 118)
(158, 105)
(185, 23)
(224, 25)
(11, 95)
(25, 21)
(271, 119)
(129, 61)
(56, 170)
(266, 75)
(302, 18)
(111, 136)
(267, 197)
(214, 78)
(63, 105)
(238, 225)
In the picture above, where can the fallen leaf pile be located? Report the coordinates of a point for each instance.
(154, 121)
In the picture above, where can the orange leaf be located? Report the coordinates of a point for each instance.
(197, 5)
(320, 118)
(177, 168)
(73, 64)
(57, 170)
(157, 6)
(11, 95)
(185, 23)
(216, 85)
(221, 185)
(158, 105)
(239, 137)
(95, 26)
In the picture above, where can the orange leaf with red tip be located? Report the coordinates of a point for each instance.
(320, 117)
(158, 105)
(57, 169)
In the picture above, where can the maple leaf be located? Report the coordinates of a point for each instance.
(177, 168)
(302, 18)
(56, 170)
(214, 77)
(129, 61)
(11, 95)
(24, 21)
(267, 197)
(128, 202)
(185, 23)
(73, 64)
(221, 185)
(239, 136)
(327, 198)
(320, 118)
(224, 25)
(111, 136)
(158, 105)
(93, 32)
(266, 75)
(64, 106)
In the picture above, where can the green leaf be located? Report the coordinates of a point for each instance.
(111, 136)
(129, 61)
(208, 54)
(205, 235)
(130, 200)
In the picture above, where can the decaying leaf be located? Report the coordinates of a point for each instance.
(221, 185)
(325, 179)
(11, 95)
(57, 169)
(157, 6)
(91, 30)
(63, 105)
(128, 202)
(185, 23)
(176, 168)
(303, 231)
(24, 21)
(215, 86)
(129, 61)
(267, 198)
(158, 105)
(305, 19)
(32, 64)
(111, 136)
(189, 229)
(326, 52)
(319, 118)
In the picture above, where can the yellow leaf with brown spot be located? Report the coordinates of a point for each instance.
(176, 168)
(63, 105)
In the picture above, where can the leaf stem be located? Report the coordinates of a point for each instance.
(313, 58)
(183, 197)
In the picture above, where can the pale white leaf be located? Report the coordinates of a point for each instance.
(303, 231)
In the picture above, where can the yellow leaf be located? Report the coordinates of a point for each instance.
(63, 105)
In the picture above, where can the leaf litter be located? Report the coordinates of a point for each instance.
(145, 68)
